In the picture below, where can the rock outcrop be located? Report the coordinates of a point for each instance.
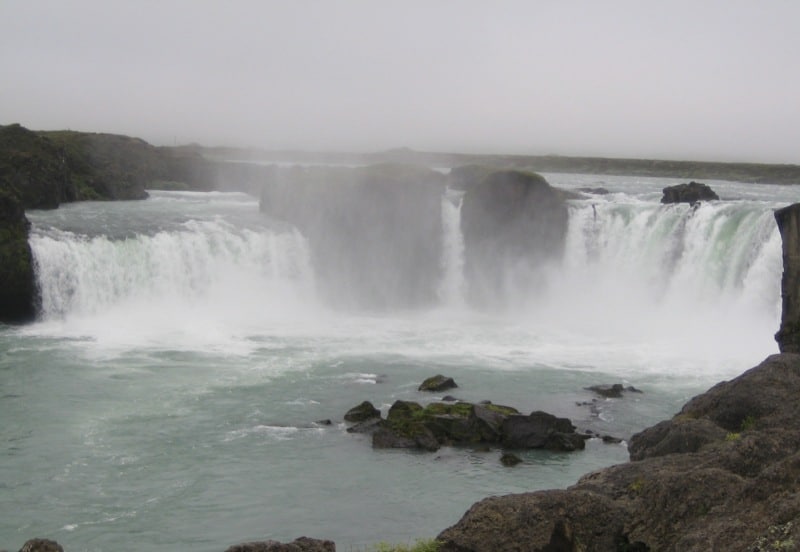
(723, 474)
(513, 223)
(18, 296)
(41, 545)
(688, 193)
(437, 383)
(788, 336)
(375, 232)
(410, 425)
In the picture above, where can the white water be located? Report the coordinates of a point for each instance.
(167, 396)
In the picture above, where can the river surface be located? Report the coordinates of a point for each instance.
(168, 396)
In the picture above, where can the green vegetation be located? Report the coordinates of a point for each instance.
(777, 539)
(637, 486)
(423, 545)
(748, 423)
(731, 437)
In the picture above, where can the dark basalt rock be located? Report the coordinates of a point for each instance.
(362, 412)
(437, 383)
(612, 391)
(513, 223)
(688, 193)
(509, 459)
(18, 292)
(551, 521)
(375, 233)
(723, 474)
(41, 545)
(788, 336)
(410, 425)
(540, 430)
(303, 544)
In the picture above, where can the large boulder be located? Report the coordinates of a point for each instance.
(41, 545)
(375, 232)
(549, 521)
(362, 412)
(513, 224)
(788, 336)
(688, 193)
(437, 383)
(723, 474)
(18, 295)
(540, 430)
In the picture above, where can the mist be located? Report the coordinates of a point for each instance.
(680, 80)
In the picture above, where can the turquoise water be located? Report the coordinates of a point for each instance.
(167, 398)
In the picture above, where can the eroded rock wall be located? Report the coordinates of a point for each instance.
(788, 336)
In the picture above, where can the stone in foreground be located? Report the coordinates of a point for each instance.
(303, 544)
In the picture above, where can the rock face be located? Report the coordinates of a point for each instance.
(788, 336)
(723, 474)
(303, 544)
(688, 193)
(18, 296)
(513, 223)
(374, 232)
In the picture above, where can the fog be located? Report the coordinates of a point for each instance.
(711, 80)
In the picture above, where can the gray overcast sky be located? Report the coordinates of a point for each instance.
(696, 79)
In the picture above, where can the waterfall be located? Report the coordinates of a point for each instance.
(452, 286)
(709, 274)
(207, 283)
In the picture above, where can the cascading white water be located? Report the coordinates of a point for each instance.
(452, 286)
(202, 277)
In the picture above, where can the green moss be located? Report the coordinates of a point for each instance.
(422, 545)
(637, 486)
(731, 437)
(748, 423)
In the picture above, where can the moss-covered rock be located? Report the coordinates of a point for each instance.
(437, 383)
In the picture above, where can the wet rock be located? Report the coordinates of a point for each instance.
(788, 336)
(449, 398)
(723, 474)
(437, 383)
(688, 193)
(41, 545)
(612, 391)
(303, 544)
(510, 459)
(540, 430)
(362, 412)
(367, 426)
(325, 422)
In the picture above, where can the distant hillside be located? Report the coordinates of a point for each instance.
(739, 172)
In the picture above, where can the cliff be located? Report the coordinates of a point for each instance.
(788, 335)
